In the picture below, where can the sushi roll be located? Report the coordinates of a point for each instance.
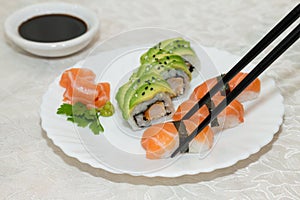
(145, 100)
(177, 46)
(172, 68)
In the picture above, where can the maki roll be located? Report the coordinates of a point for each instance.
(145, 100)
(164, 73)
(172, 68)
(177, 46)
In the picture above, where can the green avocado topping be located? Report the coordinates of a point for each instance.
(141, 89)
(176, 46)
(164, 63)
(147, 80)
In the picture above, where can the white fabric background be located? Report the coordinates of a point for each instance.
(32, 167)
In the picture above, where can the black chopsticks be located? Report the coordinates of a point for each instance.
(257, 49)
(292, 37)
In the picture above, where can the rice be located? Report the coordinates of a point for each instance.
(136, 119)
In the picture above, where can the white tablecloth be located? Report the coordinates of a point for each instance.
(32, 167)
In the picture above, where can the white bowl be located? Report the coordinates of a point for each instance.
(52, 49)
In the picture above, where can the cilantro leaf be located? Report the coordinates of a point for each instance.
(82, 116)
(81, 122)
(65, 109)
(96, 127)
(71, 119)
(91, 114)
(79, 109)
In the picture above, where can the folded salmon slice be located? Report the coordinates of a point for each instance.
(70, 75)
(80, 87)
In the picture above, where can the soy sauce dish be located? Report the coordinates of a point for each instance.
(52, 29)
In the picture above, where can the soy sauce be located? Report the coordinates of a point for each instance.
(52, 28)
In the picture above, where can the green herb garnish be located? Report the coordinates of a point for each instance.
(83, 116)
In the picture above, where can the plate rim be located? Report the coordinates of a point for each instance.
(84, 159)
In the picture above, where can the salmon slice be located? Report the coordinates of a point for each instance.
(161, 140)
(235, 108)
(70, 75)
(81, 91)
(186, 106)
(250, 93)
(232, 115)
(203, 88)
(103, 94)
(80, 87)
(203, 141)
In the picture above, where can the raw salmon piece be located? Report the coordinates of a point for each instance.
(161, 140)
(82, 91)
(103, 94)
(251, 92)
(70, 75)
(80, 87)
(203, 88)
(186, 106)
(203, 141)
(232, 115)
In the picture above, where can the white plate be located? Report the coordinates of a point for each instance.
(118, 149)
(52, 49)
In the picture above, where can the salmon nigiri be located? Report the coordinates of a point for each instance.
(161, 140)
(230, 117)
(203, 141)
(186, 106)
(250, 93)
